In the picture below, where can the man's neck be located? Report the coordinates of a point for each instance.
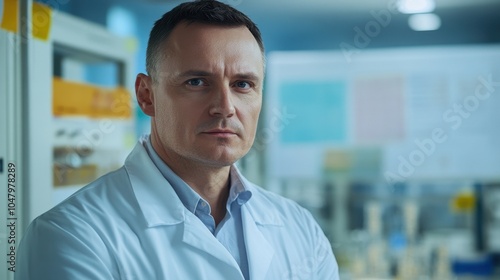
(214, 188)
(211, 183)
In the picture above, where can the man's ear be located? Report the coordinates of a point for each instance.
(144, 94)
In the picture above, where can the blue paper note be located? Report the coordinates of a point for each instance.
(319, 109)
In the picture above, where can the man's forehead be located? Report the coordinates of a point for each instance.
(187, 35)
(186, 52)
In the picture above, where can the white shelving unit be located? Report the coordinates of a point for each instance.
(26, 117)
(76, 43)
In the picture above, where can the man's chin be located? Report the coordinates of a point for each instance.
(221, 160)
(220, 156)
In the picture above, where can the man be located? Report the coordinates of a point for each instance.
(179, 208)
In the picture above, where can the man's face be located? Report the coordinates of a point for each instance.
(208, 94)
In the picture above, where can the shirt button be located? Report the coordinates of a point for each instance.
(203, 204)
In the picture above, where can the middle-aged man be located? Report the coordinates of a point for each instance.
(179, 208)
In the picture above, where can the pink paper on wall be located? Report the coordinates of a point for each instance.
(379, 109)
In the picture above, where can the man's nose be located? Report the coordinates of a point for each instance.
(222, 103)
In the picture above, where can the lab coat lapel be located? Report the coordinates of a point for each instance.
(197, 235)
(157, 200)
(259, 252)
(161, 206)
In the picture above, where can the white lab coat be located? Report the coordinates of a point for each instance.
(130, 224)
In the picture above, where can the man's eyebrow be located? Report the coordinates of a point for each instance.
(197, 73)
(248, 76)
(200, 73)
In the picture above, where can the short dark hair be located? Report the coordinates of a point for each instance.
(201, 11)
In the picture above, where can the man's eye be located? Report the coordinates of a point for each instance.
(196, 82)
(243, 85)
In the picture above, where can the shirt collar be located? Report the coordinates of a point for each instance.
(160, 205)
(238, 191)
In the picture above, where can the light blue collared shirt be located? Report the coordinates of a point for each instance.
(229, 231)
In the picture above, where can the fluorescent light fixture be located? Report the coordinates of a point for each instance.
(424, 22)
(416, 6)
(121, 21)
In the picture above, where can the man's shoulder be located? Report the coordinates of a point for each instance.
(77, 230)
(281, 218)
(268, 201)
(263, 193)
(98, 198)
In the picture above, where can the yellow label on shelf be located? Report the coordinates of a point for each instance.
(463, 202)
(68, 176)
(9, 18)
(337, 160)
(77, 99)
(41, 19)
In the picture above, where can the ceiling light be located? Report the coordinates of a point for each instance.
(424, 22)
(416, 6)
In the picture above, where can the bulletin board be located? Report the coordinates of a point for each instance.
(433, 112)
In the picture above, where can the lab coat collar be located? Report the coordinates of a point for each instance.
(157, 200)
(160, 205)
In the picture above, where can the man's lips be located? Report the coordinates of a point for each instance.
(220, 132)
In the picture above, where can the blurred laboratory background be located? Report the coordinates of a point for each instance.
(382, 117)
